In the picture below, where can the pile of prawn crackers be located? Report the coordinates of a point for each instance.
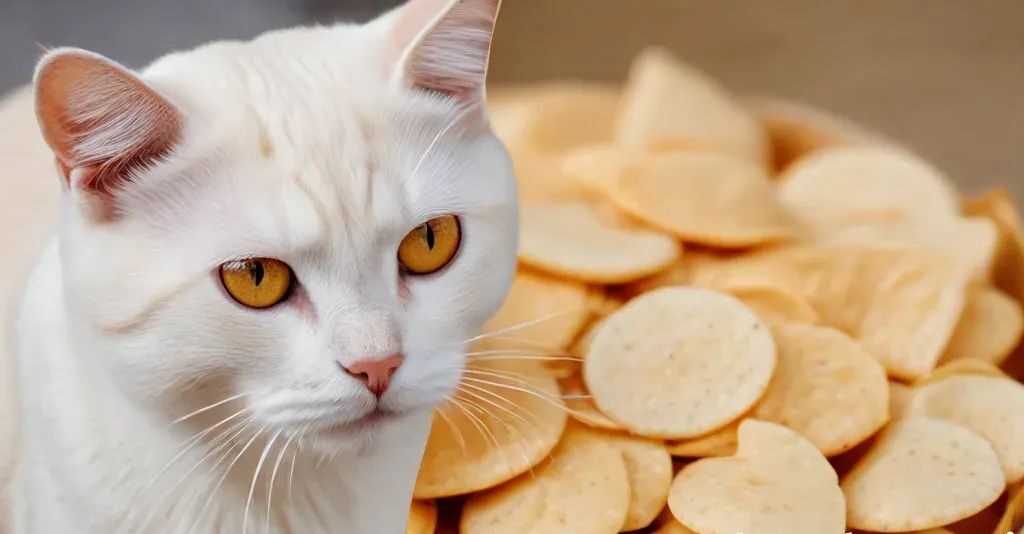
(734, 316)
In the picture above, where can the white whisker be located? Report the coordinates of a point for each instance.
(455, 429)
(525, 343)
(505, 409)
(291, 471)
(540, 395)
(167, 494)
(515, 327)
(512, 431)
(321, 458)
(222, 456)
(221, 452)
(209, 407)
(518, 352)
(511, 357)
(498, 373)
(484, 430)
(433, 142)
(223, 477)
(273, 477)
(192, 442)
(255, 475)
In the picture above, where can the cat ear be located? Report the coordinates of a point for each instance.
(102, 122)
(446, 45)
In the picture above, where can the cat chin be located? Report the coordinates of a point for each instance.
(360, 436)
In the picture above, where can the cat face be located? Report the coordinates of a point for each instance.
(309, 223)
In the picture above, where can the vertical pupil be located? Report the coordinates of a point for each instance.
(256, 272)
(430, 236)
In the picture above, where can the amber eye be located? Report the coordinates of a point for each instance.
(257, 282)
(430, 246)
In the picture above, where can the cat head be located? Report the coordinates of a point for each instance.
(313, 223)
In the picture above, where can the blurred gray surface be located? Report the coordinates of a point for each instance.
(136, 32)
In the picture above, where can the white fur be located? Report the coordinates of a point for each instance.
(301, 145)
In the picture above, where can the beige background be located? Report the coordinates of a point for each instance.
(944, 76)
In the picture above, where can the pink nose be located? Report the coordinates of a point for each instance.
(375, 374)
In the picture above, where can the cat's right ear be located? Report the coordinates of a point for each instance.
(444, 46)
(102, 122)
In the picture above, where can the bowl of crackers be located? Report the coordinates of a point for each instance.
(734, 315)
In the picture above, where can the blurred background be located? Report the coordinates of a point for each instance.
(946, 77)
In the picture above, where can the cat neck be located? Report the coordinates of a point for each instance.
(93, 461)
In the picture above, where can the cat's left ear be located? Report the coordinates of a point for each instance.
(102, 122)
(444, 45)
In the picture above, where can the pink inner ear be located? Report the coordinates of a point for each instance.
(102, 120)
(447, 44)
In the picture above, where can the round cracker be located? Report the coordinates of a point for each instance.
(1008, 266)
(772, 267)
(1013, 516)
(581, 405)
(517, 118)
(921, 473)
(582, 487)
(602, 304)
(542, 311)
(778, 483)
(960, 368)
(989, 329)
(569, 240)
(596, 168)
(539, 178)
(563, 367)
(992, 407)
(776, 304)
(679, 362)
(900, 302)
(608, 214)
(554, 116)
(721, 442)
(649, 468)
(983, 521)
(578, 350)
(969, 241)
(850, 185)
(796, 129)
(673, 527)
(708, 198)
(677, 274)
(582, 344)
(826, 387)
(899, 398)
(422, 518)
(508, 422)
(666, 101)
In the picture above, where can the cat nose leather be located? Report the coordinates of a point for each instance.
(375, 374)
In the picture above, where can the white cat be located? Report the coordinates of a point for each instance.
(270, 260)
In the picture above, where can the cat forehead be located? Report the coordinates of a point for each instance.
(316, 100)
(323, 80)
